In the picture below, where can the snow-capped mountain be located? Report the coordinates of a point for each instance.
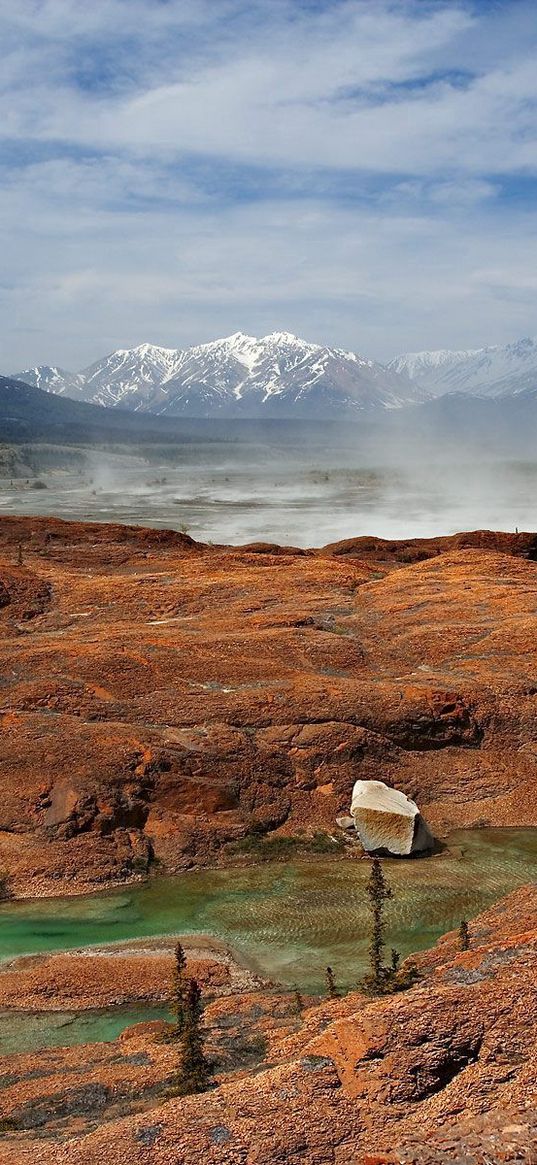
(278, 375)
(489, 372)
(55, 380)
(281, 375)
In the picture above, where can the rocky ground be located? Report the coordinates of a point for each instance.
(118, 975)
(161, 703)
(160, 700)
(444, 1072)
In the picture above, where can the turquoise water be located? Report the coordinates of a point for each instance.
(289, 919)
(28, 1032)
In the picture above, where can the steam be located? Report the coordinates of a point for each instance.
(303, 491)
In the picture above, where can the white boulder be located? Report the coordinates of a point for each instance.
(387, 821)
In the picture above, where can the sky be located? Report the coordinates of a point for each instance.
(362, 173)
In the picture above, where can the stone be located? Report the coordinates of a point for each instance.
(220, 1135)
(345, 822)
(387, 821)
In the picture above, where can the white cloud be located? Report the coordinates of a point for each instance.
(388, 127)
(374, 281)
(322, 91)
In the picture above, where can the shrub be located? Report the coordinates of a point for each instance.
(298, 1001)
(331, 988)
(464, 936)
(179, 992)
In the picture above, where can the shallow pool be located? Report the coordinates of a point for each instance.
(30, 1031)
(289, 919)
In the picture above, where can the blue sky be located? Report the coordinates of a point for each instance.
(360, 172)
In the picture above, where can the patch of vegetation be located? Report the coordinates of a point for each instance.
(298, 1002)
(247, 1051)
(38, 484)
(331, 986)
(267, 849)
(180, 987)
(464, 936)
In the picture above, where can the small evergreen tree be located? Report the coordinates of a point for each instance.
(464, 936)
(194, 1070)
(179, 991)
(379, 892)
(331, 988)
(383, 980)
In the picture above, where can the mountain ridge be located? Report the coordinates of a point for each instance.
(283, 376)
(278, 375)
(494, 371)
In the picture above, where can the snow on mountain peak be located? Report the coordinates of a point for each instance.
(493, 371)
(238, 339)
(282, 375)
(415, 363)
(278, 375)
(286, 338)
(52, 379)
(524, 348)
(153, 350)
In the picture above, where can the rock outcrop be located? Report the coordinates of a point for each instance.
(160, 699)
(387, 821)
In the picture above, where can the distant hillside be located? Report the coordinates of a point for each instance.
(30, 414)
(462, 425)
(446, 426)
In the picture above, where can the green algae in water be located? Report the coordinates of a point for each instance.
(290, 919)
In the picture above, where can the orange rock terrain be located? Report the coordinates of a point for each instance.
(444, 1072)
(161, 699)
(111, 976)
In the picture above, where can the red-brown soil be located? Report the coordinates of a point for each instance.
(445, 1072)
(160, 699)
(113, 976)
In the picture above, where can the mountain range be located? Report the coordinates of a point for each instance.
(279, 375)
(283, 376)
(488, 372)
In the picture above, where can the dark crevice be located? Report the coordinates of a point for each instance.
(429, 1079)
